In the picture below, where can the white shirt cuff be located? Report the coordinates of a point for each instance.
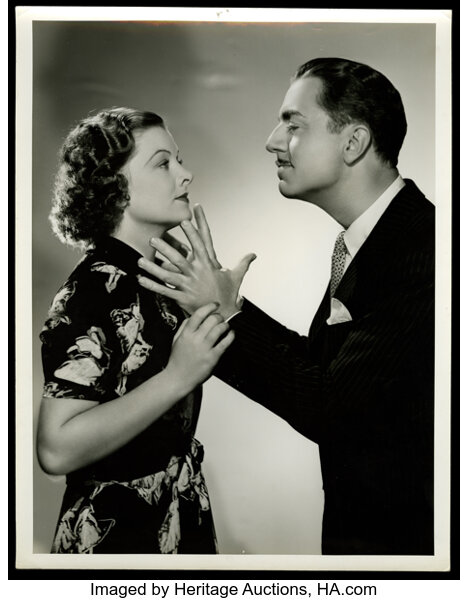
(240, 302)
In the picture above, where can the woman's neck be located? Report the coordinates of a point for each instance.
(139, 237)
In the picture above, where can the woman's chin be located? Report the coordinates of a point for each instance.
(187, 212)
(186, 217)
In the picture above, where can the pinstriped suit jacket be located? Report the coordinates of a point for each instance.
(363, 389)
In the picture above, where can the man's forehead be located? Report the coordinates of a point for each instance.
(300, 98)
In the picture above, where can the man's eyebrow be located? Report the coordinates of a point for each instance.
(287, 114)
(157, 152)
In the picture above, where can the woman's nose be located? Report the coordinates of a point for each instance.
(186, 175)
(276, 141)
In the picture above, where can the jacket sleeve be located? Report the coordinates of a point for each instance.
(365, 367)
(270, 364)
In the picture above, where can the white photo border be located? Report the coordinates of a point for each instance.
(26, 559)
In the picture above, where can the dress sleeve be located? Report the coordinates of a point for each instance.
(77, 341)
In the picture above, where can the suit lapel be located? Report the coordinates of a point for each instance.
(367, 273)
(322, 314)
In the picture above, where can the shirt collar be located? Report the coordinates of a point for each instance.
(117, 253)
(359, 230)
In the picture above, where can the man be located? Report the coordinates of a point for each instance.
(361, 384)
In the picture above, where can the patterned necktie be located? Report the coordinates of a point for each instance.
(338, 262)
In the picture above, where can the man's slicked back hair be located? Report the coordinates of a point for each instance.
(356, 93)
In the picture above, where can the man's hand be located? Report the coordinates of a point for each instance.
(199, 279)
(179, 246)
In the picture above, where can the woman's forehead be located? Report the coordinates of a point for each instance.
(152, 140)
(154, 136)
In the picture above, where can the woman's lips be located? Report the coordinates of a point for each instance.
(283, 166)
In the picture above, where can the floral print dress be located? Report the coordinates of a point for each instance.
(104, 336)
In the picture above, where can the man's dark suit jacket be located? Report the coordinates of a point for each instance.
(363, 390)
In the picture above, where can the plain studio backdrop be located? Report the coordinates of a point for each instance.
(219, 86)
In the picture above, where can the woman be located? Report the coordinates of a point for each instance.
(122, 390)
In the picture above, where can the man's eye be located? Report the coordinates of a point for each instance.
(292, 127)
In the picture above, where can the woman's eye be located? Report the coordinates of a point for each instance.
(164, 164)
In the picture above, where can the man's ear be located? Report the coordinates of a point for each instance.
(357, 142)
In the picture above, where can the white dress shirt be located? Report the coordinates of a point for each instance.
(356, 235)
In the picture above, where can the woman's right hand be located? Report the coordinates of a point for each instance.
(198, 346)
(75, 433)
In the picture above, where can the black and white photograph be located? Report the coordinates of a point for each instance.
(233, 233)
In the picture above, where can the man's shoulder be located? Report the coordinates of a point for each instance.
(411, 216)
(416, 201)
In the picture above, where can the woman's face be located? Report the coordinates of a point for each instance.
(157, 181)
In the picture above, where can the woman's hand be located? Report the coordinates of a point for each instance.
(198, 346)
(199, 279)
(76, 433)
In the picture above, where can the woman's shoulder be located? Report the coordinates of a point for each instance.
(105, 277)
(92, 289)
(99, 279)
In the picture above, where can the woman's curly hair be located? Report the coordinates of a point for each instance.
(91, 193)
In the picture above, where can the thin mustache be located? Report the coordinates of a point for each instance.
(282, 163)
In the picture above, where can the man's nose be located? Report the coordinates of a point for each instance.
(277, 140)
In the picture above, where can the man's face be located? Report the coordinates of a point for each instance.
(309, 157)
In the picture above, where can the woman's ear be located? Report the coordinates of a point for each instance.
(358, 141)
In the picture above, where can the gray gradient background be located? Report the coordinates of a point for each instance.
(219, 87)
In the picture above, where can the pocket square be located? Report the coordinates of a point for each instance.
(339, 313)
